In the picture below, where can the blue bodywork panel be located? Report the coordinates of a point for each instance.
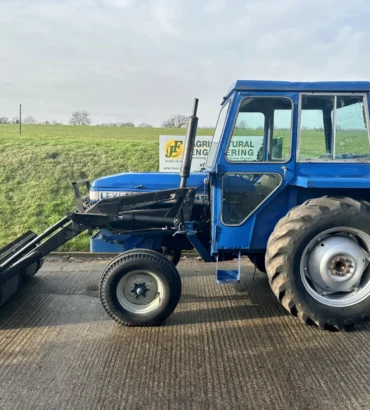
(137, 182)
(300, 181)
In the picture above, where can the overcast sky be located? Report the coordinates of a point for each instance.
(143, 60)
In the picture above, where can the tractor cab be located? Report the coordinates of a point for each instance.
(274, 143)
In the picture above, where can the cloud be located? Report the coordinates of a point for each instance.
(145, 60)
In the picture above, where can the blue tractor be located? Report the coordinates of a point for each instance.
(286, 183)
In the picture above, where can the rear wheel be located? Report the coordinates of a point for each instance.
(318, 262)
(140, 287)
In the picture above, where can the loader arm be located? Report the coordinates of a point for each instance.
(22, 258)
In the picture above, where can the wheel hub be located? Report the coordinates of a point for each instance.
(336, 264)
(342, 266)
(140, 289)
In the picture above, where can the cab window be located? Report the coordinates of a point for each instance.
(333, 127)
(262, 131)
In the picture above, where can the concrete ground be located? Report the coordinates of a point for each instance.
(225, 347)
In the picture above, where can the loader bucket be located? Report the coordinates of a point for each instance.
(10, 281)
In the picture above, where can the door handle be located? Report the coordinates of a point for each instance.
(284, 169)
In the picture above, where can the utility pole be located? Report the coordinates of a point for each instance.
(20, 119)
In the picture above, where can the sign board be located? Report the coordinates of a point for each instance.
(171, 150)
(245, 148)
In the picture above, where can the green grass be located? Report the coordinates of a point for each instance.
(37, 169)
(347, 142)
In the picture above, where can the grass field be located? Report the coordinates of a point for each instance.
(38, 167)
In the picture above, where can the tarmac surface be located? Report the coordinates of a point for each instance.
(225, 347)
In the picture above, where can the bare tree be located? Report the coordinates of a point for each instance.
(126, 124)
(4, 120)
(80, 118)
(176, 121)
(29, 120)
(15, 120)
(118, 124)
(242, 125)
(145, 125)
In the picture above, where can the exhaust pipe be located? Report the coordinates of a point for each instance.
(189, 145)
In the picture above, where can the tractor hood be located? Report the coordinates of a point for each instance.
(136, 182)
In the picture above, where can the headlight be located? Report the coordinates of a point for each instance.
(94, 196)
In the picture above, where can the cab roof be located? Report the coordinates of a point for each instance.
(319, 86)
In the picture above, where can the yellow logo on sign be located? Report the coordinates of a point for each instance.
(174, 149)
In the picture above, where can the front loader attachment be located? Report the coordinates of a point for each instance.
(22, 258)
(11, 281)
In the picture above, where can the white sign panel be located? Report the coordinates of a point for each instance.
(245, 148)
(171, 150)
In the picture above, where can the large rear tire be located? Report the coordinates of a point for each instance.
(140, 288)
(318, 262)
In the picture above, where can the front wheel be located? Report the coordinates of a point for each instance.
(140, 288)
(318, 262)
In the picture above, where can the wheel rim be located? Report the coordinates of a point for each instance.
(140, 292)
(335, 267)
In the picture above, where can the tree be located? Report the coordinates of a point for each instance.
(176, 121)
(80, 118)
(29, 120)
(15, 120)
(145, 125)
(126, 124)
(242, 125)
(4, 120)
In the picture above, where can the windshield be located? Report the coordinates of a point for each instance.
(217, 135)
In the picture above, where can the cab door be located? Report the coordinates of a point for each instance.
(253, 169)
